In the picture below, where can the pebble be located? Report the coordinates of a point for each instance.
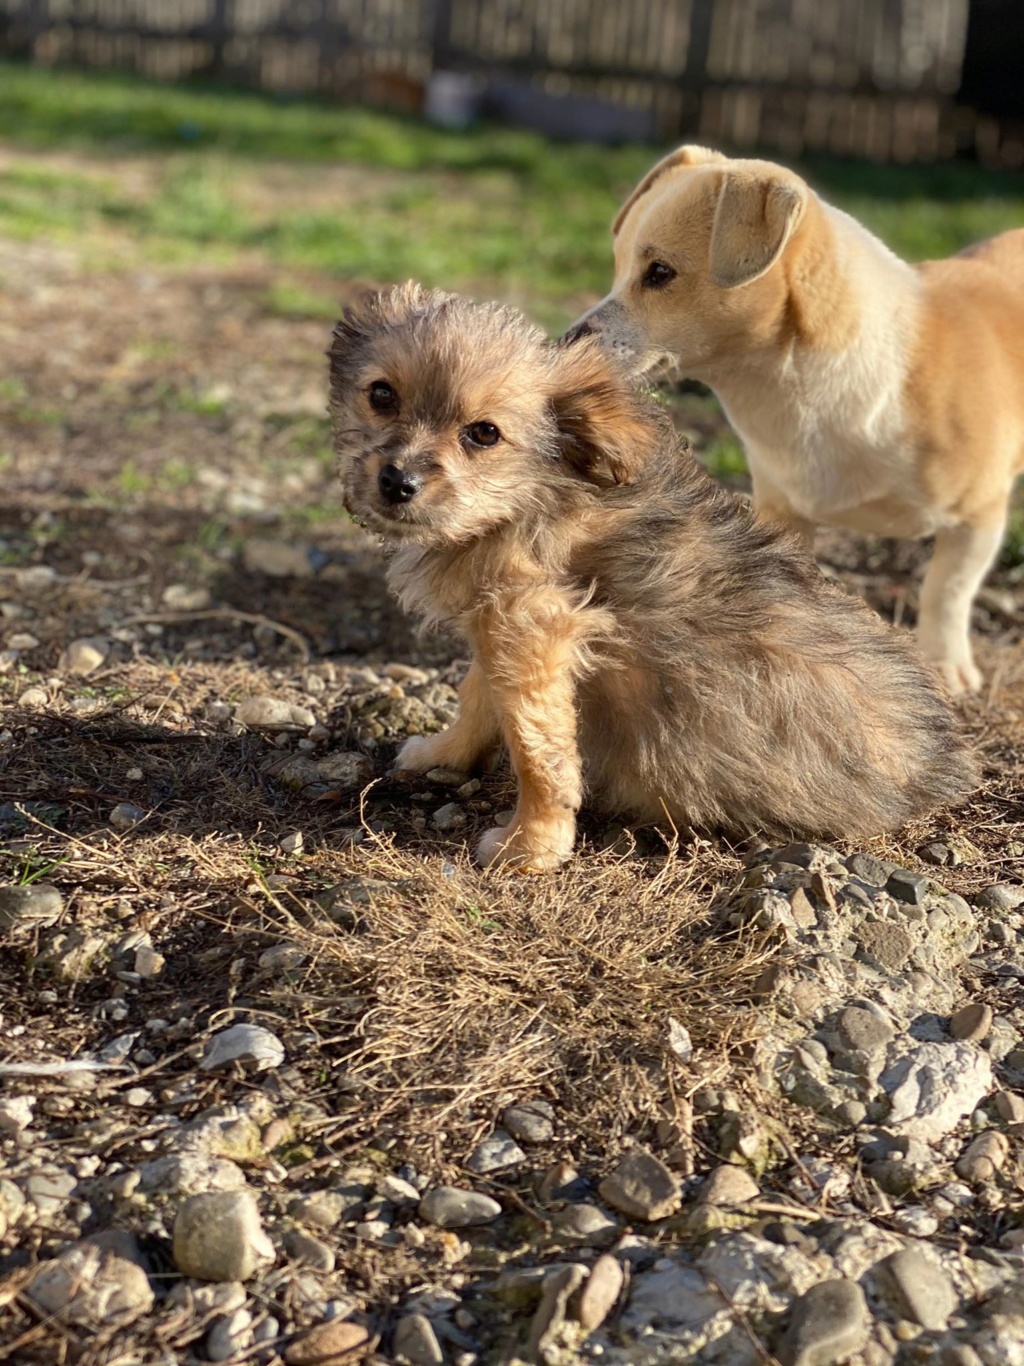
(293, 843)
(973, 1021)
(1001, 896)
(584, 1221)
(90, 1285)
(924, 1290)
(273, 714)
(218, 1237)
(303, 1247)
(284, 957)
(728, 1185)
(983, 1157)
(862, 1031)
(416, 1342)
(827, 1324)
(16, 1113)
(34, 697)
(35, 904)
(126, 815)
(398, 1191)
(556, 1288)
(1010, 1106)
(50, 1192)
(915, 1220)
(906, 886)
(277, 559)
(449, 817)
(229, 1335)
(345, 769)
(679, 1040)
(600, 1294)
(530, 1121)
(561, 1181)
(327, 1343)
(641, 1187)
(22, 640)
(450, 1207)
(874, 871)
(84, 657)
(190, 1173)
(495, 1153)
(250, 1044)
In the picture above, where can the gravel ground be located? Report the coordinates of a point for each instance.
(284, 1078)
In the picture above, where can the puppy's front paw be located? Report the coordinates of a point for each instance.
(960, 676)
(417, 755)
(528, 848)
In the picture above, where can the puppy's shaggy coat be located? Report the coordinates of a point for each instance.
(636, 635)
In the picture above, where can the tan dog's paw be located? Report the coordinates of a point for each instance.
(418, 755)
(527, 848)
(960, 674)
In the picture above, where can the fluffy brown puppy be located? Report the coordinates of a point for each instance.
(636, 635)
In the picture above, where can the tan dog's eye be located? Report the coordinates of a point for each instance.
(382, 397)
(657, 275)
(483, 434)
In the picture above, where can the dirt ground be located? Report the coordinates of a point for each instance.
(168, 492)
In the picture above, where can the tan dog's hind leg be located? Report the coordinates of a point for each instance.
(962, 558)
(469, 740)
(535, 693)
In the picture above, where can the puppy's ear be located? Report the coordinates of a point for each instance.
(754, 219)
(369, 312)
(606, 430)
(682, 156)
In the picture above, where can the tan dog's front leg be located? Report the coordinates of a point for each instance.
(771, 505)
(469, 740)
(962, 558)
(534, 690)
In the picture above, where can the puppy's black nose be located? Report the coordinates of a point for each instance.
(578, 330)
(397, 486)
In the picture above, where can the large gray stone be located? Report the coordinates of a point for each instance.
(827, 1324)
(90, 1286)
(933, 1086)
(641, 1187)
(218, 1237)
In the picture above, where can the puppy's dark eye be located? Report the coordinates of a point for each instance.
(483, 434)
(382, 397)
(657, 275)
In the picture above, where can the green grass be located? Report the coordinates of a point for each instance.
(494, 210)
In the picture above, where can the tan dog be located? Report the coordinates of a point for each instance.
(634, 630)
(868, 393)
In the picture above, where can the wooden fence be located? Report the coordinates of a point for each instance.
(874, 78)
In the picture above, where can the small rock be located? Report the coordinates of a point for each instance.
(34, 697)
(137, 1096)
(36, 579)
(450, 1207)
(293, 843)
(185, 597)
(345, 769)
(303, 1247)
(416, 1342)
(397, 1191)
(530, 1121)
(679, 1040)
(561, 1181)
(862, 1031)
(585, 1222)
(600, 1294)
(446, 777)
(938, 854)
(218, 1237)
(84, 657)
(1010, 1106)
(1001, 896)
(728, 1185)
(50, 1192)
(190, 1173)
(495, 1153)
(916, 1221)
(126, 815)
(35, 904)
(924, 1291)
(874, 871)
(273, 714)
(284, 957)
(641, 1187)
(16, 1113)
(449, 817)
(328, 1344)
(22, 640)
(983, 1157)
(229, 1335)
(907, 886)
(558, 1285)
(90, 1286)
(249, 1044)
(148, 963)
(277, 559)
(972, 1021)
(827, 1324)
(890, 945)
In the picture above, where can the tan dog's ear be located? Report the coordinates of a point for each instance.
(682, 156)
(606, 431)
(369, 312)
(754, 220)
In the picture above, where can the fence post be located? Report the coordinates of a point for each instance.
(440, 47)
